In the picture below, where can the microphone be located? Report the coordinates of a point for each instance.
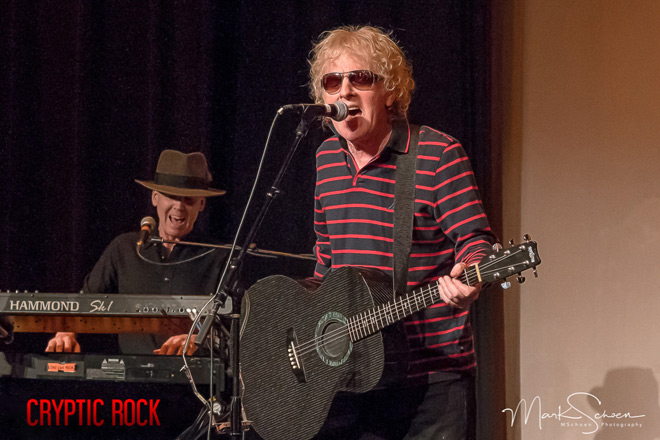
(146, 226)
(337, 111)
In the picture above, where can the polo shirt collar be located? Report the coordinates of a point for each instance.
(399, 140)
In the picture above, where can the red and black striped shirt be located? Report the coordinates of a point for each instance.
(353, 222)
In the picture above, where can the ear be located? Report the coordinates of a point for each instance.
(154, 198)
(202, 204)
(389, 102)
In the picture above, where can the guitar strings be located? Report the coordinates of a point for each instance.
(358, 323)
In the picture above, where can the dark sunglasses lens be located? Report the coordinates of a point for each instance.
(332, 82)
(361, 78)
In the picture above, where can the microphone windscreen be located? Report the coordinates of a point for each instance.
(149, 222)
(342, 111)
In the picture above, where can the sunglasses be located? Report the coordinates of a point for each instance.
(360, 79)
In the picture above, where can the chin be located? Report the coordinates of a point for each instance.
(351, 133)
(177, 234)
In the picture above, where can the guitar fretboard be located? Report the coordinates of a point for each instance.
(367, 323)
(496, 266)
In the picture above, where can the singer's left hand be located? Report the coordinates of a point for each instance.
(455, 293)
(174, 345)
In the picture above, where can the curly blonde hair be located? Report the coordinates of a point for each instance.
(386, 59)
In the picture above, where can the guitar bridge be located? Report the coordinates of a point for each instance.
(295, 359)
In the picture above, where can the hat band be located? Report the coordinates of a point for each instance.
(188, 182)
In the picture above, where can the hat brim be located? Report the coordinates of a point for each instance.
(185, 192)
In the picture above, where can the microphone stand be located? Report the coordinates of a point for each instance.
(230, 284)
(252, 250)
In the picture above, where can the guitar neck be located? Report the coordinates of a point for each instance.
(374, 320)
(495, 266)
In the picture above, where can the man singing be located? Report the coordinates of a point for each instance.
(354, 200)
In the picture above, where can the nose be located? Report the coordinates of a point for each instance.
(346, 88)
(178, 204)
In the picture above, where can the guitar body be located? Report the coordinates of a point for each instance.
(284, 403)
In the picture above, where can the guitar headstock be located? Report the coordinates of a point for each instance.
(503, 263)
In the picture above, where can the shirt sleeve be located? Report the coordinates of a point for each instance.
(458, 206)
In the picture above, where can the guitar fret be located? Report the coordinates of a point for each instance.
(363, 332)
(436, 290)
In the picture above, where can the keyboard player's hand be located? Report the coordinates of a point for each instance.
(63, 342)
(174, 345)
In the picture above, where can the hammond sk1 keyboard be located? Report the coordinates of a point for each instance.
(102, 313)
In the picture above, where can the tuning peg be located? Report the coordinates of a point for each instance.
(511, 242)
(497, 247)
(505, 285)
(520, 279)
(527, 237)
(536, 274)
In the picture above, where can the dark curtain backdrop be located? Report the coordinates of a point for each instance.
(93, 91)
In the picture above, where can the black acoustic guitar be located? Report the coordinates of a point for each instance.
(300, 347)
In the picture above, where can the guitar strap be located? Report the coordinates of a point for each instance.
(404, 204)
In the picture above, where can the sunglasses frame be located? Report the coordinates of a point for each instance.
(350, 75)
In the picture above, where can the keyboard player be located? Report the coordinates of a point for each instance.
(178, 193)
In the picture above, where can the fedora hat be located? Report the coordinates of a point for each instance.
(182, 174)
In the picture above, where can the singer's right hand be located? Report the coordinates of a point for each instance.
(63, 342)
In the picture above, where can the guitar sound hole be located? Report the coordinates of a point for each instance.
(333, 340)
(334, 346)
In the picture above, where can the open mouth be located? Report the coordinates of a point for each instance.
(354, 111)
(177, 221)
